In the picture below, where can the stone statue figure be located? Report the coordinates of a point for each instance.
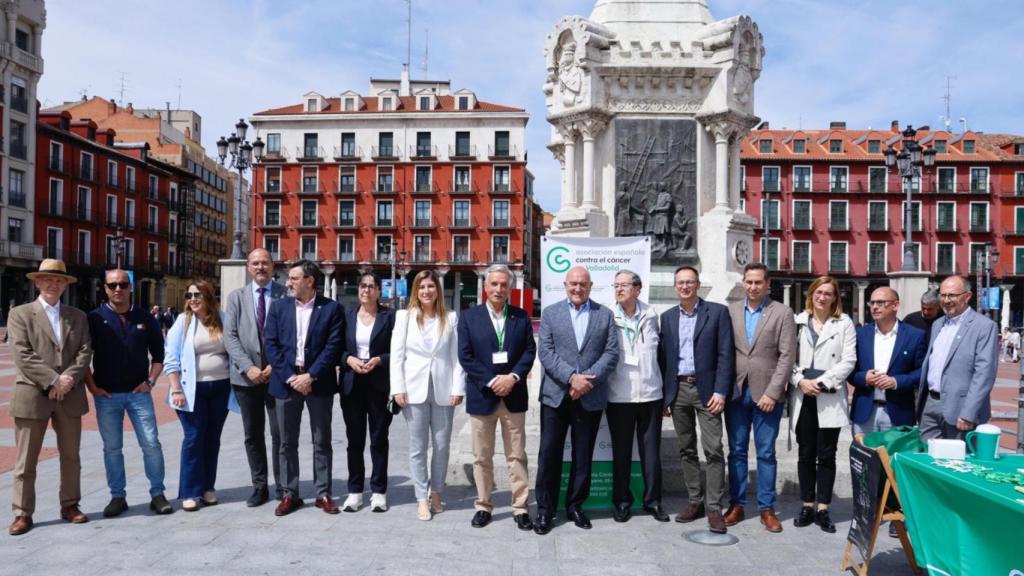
(681, 230)
(742, 82)
(624, 225)
(661, 221)
(570, 77)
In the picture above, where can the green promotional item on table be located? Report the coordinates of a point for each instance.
(896, 440)
(983, 442)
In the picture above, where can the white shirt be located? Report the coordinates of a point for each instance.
(256, 298)
(427, 332)
(884, 346)
(53, 314)
(941, 347)
(303, 312)
(363, 333)
(498, 321)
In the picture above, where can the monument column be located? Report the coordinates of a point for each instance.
(861, 287)
(734, 172)
(786, 289)
(558, 150)
(721, 133)
(569, 143)
(589, 129)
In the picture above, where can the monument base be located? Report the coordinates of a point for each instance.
(581, 223)
(726, 240)
(910, 286)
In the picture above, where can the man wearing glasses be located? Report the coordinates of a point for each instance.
(244, 321)
(128, 356)
(960, 367)
(889, 358)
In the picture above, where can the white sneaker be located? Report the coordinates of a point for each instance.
(190, 505)
(352, 503)
(378, 502)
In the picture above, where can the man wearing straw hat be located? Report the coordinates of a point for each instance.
(52, 350)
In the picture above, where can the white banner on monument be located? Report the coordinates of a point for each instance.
(602, 257)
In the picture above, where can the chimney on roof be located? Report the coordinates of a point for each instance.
(895, 126)
(404, 89)
(837, 125)
(168, 113)
(113, 106)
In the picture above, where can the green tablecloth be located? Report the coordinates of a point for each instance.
(959, 523)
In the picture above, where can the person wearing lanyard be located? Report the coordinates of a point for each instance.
(496, 351)
(634, 400)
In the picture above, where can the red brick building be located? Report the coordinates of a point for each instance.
(93, 194)
(833, 208)
(440, 176)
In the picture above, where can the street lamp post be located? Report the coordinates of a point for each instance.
(119, 247)
(909, 162)
(243, 155)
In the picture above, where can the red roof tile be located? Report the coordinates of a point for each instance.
(855, 145)
(406, 104)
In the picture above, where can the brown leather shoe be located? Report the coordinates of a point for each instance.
(20, 525)
(288, 505)
(734, 515)
(73, 514)
(690, 513)
(716, 523)
(326, 503)
(770, 521)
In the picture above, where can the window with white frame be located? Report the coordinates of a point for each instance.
(154, 219)
(770, 214)
(462, 181)
(460, 249)
(915, 215)
(878, 179)
(837, 261)
(272, 244)
(979, 216)
(346, 213)
(770, 253)
(383, 248)
(838, 215)
(945, 258)
(946, 181)
(499, 249)
(979, 180)
(878, 216)
(501, 214)
(421, 214)
(1018, 260)
(112, 173)
(501, 178)
(838, 177)
(801, 256)
(385, 213)
(56, 156)
(272, 213)
(129, 178)
(129, 214)
(770, 178)
(84, 247)
(421, 248)
(56, 197)
(309, 209)
(945, 216)
(802, 179)
(347, 248)
(802, 214)
(307, 247)
(877, 257)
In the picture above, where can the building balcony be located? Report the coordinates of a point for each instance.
(271, 223)
(423, 223)
(275, 156)
(463, 153)
(771, 187)
(423, 188)
(839, 226)
(801, 267)
(878, 225)
(384, 224)
(423, 256)
(979, 228)
(53, 252)
(86, 173)
(943, 227)
(309, 153)
(82, 213)
(79, 258)
(425, 152)
(877, 268)
(56, 164)
(462, 257)
(348, 153)
(946, 268)
(838, 267)
(129, 225)
(384, 153)
(20, 250)
(384, 189)
(460, 188)
(311, 255)
(502, 224)
(347, 224)
(155, 229)
(498, 257)
(349, 188)
(461, 224)
(503, 153)
(50, 209)
(308, 223)
(274, 188)
(500, 188)
(312, 188)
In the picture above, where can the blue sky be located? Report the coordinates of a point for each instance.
(867, 62)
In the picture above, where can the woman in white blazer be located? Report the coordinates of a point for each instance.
(428, 383)
(196, 363)
(817, 400)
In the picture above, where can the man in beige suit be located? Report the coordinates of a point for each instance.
(764, 334)
(52, 350)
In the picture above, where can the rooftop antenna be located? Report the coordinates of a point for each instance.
(124, 84)
(179, 94)
(963, 122)
(408, 27)
(426, 54)
(947, 97)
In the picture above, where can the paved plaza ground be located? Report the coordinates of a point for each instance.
(232, 539)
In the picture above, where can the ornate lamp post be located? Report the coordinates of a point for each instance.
(909, 162)
(243, 154)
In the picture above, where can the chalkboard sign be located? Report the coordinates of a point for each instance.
(866, 477)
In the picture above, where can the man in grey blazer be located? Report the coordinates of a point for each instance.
(578, 349)
(764, 336)
(960, 368)
(244, 320)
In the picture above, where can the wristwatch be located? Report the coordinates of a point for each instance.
(150, 383)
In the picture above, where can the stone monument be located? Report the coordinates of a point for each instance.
(648, 102)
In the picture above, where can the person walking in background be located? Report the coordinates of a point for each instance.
(365, 383)
(827, 355)
(128, 355)
(427, 381)
(196, 362)
(930, 311)
(244, 327)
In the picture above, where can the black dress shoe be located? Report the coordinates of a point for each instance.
(481, 518)
(259, 497)
(579, 519)
(805, 517)
(623, 512)
(523, 521)
(543, 525)
(822, 519)
(657, 513)
(117, 506)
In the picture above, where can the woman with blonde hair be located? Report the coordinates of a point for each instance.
(197, 365)
(818, 408)
(427, 382)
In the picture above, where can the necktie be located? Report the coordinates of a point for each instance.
(261, 318)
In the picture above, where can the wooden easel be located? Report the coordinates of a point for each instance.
(884, 513)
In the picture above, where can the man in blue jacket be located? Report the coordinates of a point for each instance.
(889, 358)
(303, 340)
(496, 350)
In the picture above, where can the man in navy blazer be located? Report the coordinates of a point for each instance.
(699, 370)
(303, 340)
(889, 358)
(496, 350)
(579, 349)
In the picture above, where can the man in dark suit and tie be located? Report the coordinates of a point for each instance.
(244, 326)
(303, 339)
(579, 349)
(889, 358)
(699, 373)
(496, 350)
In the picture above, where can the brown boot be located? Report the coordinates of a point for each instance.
(690, 513)
(734, 515)
(73, 514)
(716, 523)
(770, 521)
(20, 525)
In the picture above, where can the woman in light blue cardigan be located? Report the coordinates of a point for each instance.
(197, 365)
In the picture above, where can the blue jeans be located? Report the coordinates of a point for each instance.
(200, 446)
(110, 418)
(740, 416)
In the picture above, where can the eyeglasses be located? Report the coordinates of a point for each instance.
(951, 296)
(121, 285)
(879, 302)
(367, 286)
(625, 286)
(686, 283)
(193, 295)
